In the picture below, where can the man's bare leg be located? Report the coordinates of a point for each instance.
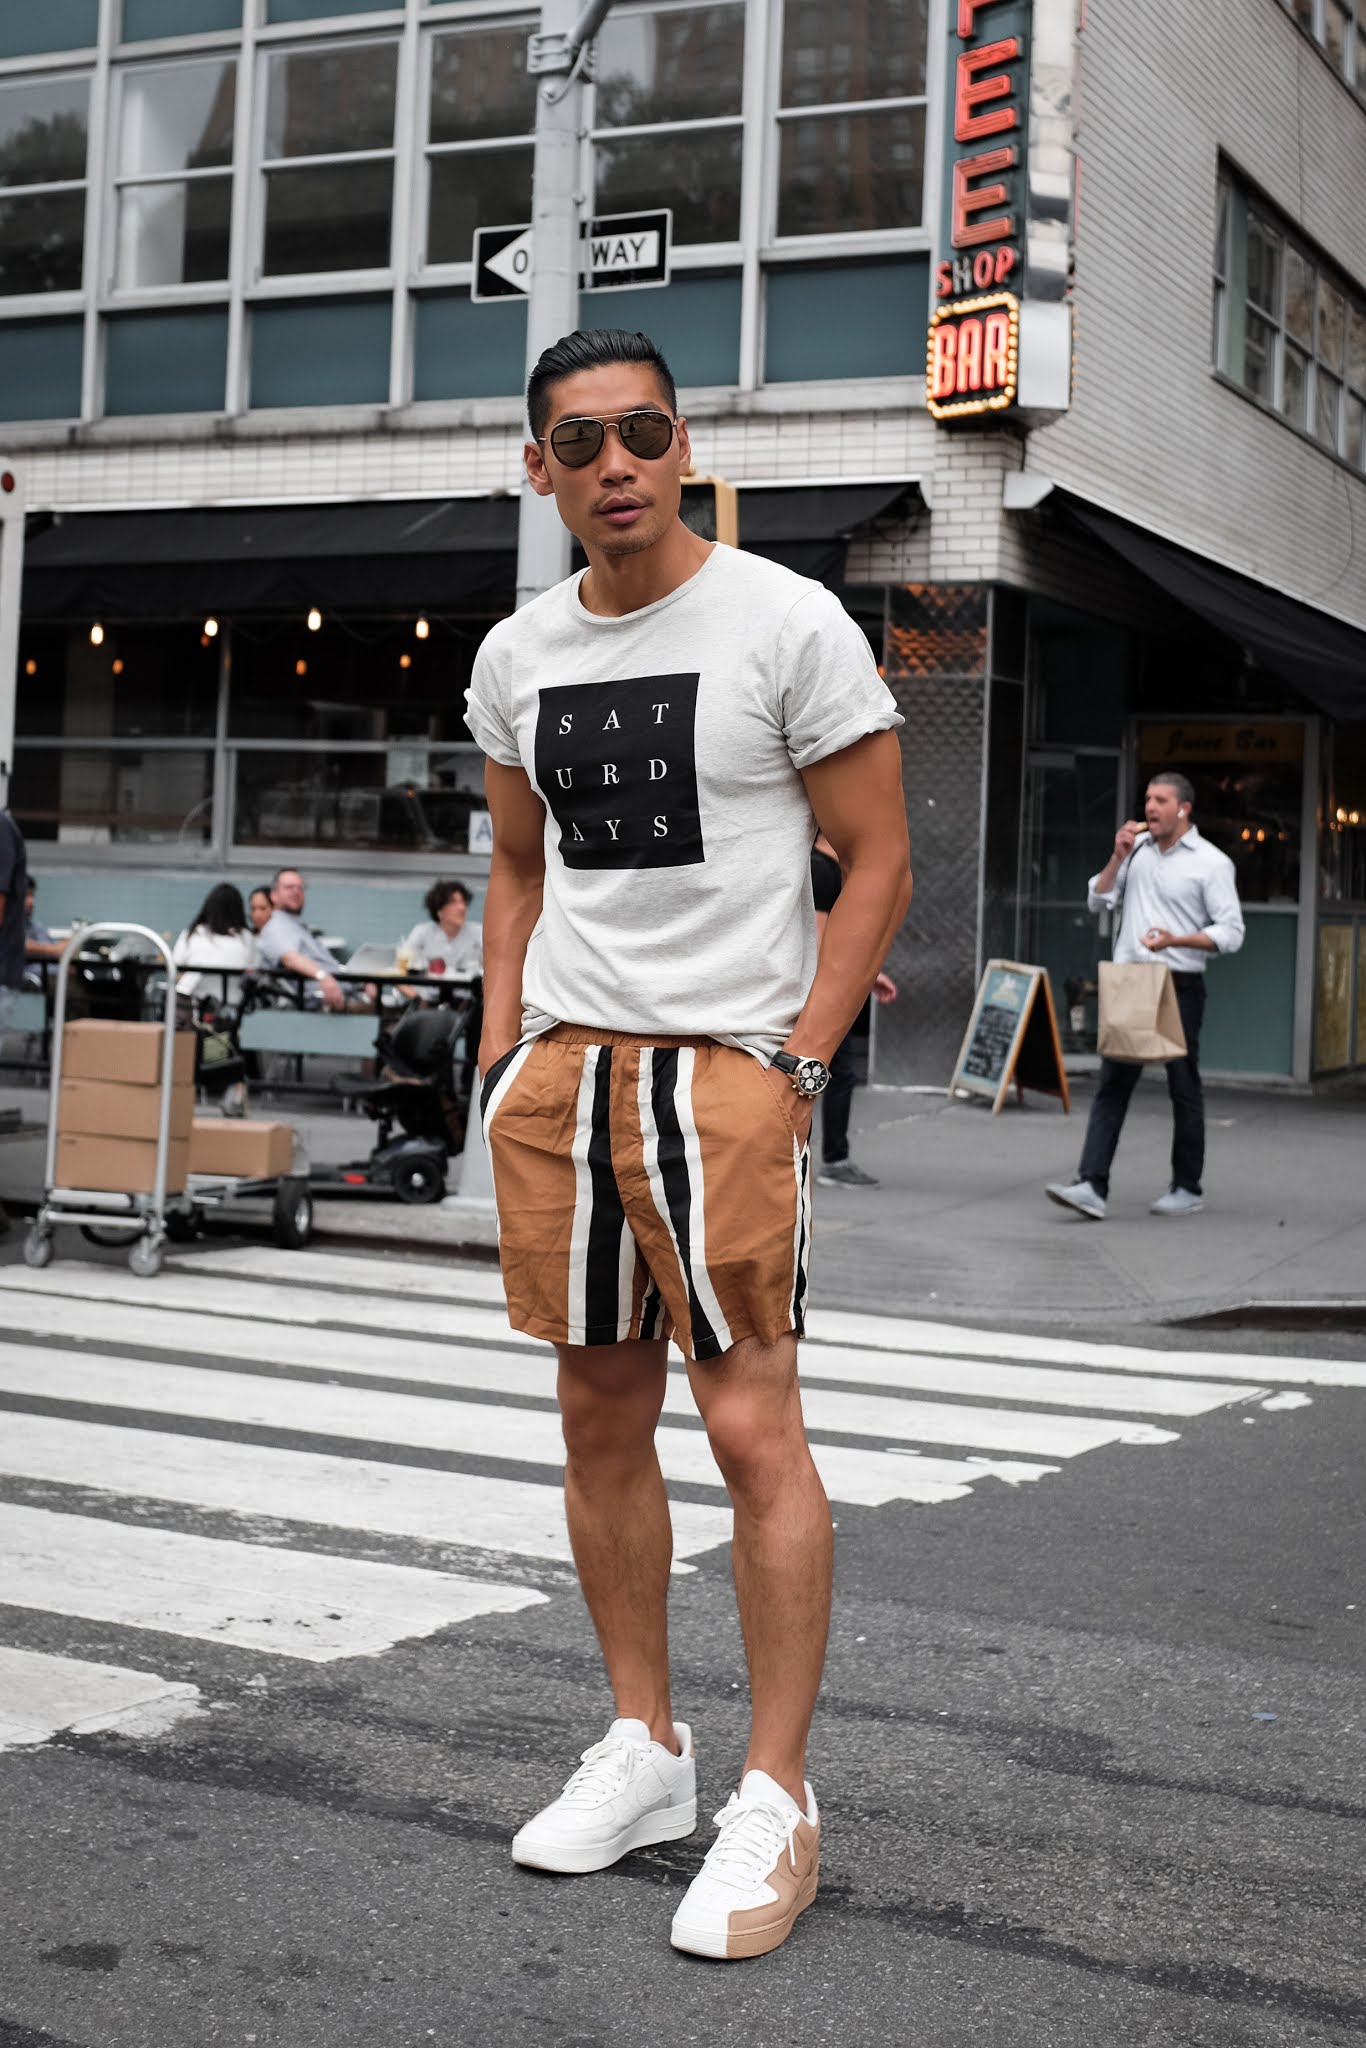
(618, 1514)
(783, 1549)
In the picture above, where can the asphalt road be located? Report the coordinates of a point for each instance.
(1090, 1759)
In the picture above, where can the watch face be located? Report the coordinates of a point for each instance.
(811, 1076)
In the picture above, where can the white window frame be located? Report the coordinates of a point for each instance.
(210, 291)
(30, 305)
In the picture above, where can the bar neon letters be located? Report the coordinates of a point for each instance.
(973, 362)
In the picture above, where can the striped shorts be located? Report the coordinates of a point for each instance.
(646, 1188)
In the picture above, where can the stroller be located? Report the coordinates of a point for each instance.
(422, 1091)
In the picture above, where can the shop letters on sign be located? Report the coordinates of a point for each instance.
(617, 765)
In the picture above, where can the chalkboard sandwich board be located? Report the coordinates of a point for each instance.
(1011, 1036)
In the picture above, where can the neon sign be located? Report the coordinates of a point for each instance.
(974, 356)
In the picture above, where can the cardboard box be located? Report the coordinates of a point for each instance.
(122, 1109)
(236, 1146)
(121, 1165)
(101, 1049)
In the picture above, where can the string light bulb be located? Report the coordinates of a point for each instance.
(422, 629)
(97, 635)
(405, 661)
(30, 667)
(301, 668)
(117, 667)
(210, 628)
(315, 620)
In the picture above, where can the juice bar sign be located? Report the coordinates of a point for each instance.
(974, 340)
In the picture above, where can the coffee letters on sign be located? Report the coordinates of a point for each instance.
(616, 763)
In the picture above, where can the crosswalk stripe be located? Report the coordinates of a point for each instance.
(893, 1333)
(224, 1308)
(518, 1517)
(523, 1436)
(41, 1695)
(448, 1281)
(287, 1603)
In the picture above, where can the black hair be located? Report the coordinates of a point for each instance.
(440, 894)
(1171, 778)
(222, 911)
(262, 889)
(591, 348)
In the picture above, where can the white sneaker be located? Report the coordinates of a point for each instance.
(1177, 1202)
(760, 1873)
(627, 1791)
(1078, 1195)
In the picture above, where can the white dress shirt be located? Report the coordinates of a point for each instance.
(1191, 888)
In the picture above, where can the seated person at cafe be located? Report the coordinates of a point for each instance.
(39, 943)
(286, 941)
(259, 907)
(445, 943)
(220, 938)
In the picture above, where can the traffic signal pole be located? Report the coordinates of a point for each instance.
(559, 55)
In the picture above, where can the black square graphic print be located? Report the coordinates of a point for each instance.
(617, 765)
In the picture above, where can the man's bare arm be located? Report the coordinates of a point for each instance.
(513, 903)
(309, 970)
(856, 795)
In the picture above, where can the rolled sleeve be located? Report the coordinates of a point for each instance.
(1225, 928)
(1111, 898)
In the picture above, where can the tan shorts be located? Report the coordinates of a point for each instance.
(646, 1188)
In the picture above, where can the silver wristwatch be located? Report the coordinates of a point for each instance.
(809, 1077)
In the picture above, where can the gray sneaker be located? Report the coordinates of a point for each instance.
(842, 1173)
(1081, 1196)
(1177, 1202)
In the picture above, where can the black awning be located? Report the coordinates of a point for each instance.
(807, 527)
(451, 553)
(1322, 657)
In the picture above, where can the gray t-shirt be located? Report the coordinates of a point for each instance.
(666, 747)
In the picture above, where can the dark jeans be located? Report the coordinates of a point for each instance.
(835, 1102)
(1119, 1078)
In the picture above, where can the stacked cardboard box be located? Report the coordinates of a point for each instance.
(240, 1148)
(109, 1108)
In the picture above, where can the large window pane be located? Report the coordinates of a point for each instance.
(328, 217)
(348, 682)
(695, 320)
(1263, 266)
(463, 350)
(843, 173)
(857, 50)
(355, 800)
(677, 66)
(316, 10)
(1356, 351)
(40, 369)
(30, 28)
(174, 233)
(1327, 397)
(696, 171)
(473, 189)
(42, 243)
(145, 20)
(1332, 321)
(43, 131)
(166, 362)
(178, 118)
(322, 352)
(1259, 358)
(143, 682)
(481, 86)
(1295, 387)
(119, 797)
(1299, 296)
(326, 102)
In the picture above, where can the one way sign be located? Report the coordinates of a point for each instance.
(621, 251)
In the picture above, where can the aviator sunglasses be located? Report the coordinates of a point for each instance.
(645, 435)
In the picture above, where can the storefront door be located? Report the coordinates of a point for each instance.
(1071, 813)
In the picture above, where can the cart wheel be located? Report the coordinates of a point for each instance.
(147, 1257)
(183, 1226)
(419, 1180)
(119, 1235)
(293, 1215)
(38, 1246)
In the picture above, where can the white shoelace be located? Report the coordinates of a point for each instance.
(604, 1769)
(752, 1837)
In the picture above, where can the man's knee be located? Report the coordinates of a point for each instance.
(752, 1410)
(608, 1408)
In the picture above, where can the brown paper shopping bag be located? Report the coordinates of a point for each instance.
(1139, 1018)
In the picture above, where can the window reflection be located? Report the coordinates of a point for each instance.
(686, 65)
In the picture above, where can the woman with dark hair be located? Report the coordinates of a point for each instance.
(446, 943)
(259, 907)
(220, 938)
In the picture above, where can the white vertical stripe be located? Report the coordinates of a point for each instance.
(626, 1280)
(697, 1200)
(801, 1238)
(577, 1309)
(505, 1081)
(649, 1149)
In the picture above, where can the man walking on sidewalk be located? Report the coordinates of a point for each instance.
(1178, 901)
(663, 732)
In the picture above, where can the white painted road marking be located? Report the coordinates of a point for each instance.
(41, 1695)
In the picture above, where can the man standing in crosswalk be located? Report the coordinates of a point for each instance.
(663, 732)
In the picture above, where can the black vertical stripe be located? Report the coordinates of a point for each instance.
(602, 1273)
(799, 1278)
(673, 1171)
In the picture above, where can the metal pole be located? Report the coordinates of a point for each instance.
(11, 583)
(559, 55)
